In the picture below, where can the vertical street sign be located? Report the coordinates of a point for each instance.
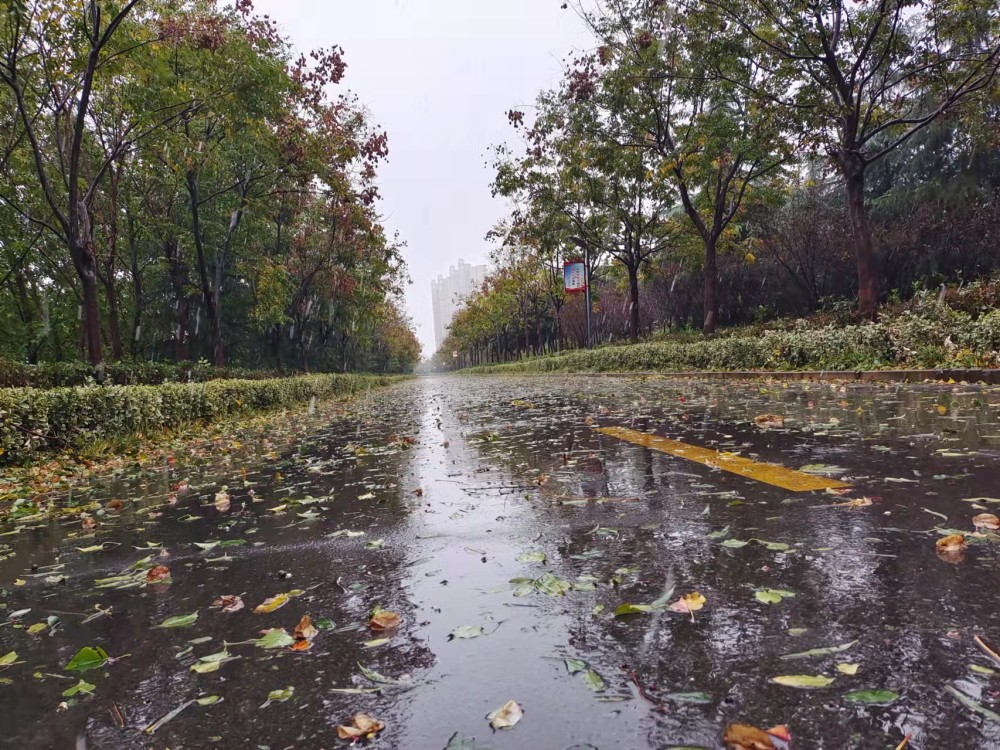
(575, 276)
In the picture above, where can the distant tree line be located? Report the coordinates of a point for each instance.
(725, 162)
(176, 184)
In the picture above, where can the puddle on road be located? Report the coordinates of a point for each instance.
(529, 530)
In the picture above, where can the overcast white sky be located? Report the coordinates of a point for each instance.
(439, 76)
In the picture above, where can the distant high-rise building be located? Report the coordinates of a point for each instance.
(447, 293)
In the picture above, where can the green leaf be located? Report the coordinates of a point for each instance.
(700, 698)
(180, 621)
(981, 669)
(7, 659)
(593, 680)
(209, 700)
(553, 585)
(325, 624)
(377, 678)
(459, 741)
(720, 534)
(532, 557)
(575, 665)
(825, 651)
(773, 596)
(884, 697)
(210, 663)
(81, 687)
(775, 546)
(804, 681)
(632, 609)
(968, 702)
(734, 543)
(280, 695)
(465, 632)
(276, 638)
(87, 658)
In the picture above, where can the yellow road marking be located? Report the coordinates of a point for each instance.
(779, 476)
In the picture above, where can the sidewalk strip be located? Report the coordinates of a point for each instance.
(779, 476)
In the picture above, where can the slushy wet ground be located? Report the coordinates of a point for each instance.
(508, 534)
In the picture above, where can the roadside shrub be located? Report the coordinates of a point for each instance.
(67, 374)
(33, 419)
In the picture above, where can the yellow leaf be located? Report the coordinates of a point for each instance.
(851, 669)
(269, 605)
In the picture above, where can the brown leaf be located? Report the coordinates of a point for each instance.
(781, 732)
(302, 645)
(89, 522)
(159, 574)
(115, 504)
(229, 603)
(384, 620)
(769, 420)
(987, 521)
(305, 629)
(951, 543)
(362, 726)
(746, 737)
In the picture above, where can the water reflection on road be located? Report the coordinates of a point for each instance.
(462, 485)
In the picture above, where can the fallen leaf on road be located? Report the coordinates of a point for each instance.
(279, 696)
(363, 726)
(228, 603)
(746, 737)
(222, 500)
(383, 619)
(270, 605)
(803, 681)
(274, 638)
(951, 543)
(987, 521)
(86, 658)
(506, 716)
(466, 632)
(305, 630)
(180, 621)
(859, 502)
(159, 574)
(773, 596)
(883, 697)
(825, 651)
(781, 732)
(688, 604)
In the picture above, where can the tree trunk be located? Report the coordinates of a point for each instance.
(114, 326)
(210, 296)
(182, 307)
(137, 295)
(633, 297)
(86, 268)
(711, 283)
(868, 281)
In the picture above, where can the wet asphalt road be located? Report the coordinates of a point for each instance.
(493, 507)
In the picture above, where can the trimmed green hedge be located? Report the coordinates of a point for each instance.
(34, 419)
(67, 374)
(938, 336)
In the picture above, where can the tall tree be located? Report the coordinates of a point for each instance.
(864, 78)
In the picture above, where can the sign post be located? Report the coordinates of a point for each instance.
(577, 279)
